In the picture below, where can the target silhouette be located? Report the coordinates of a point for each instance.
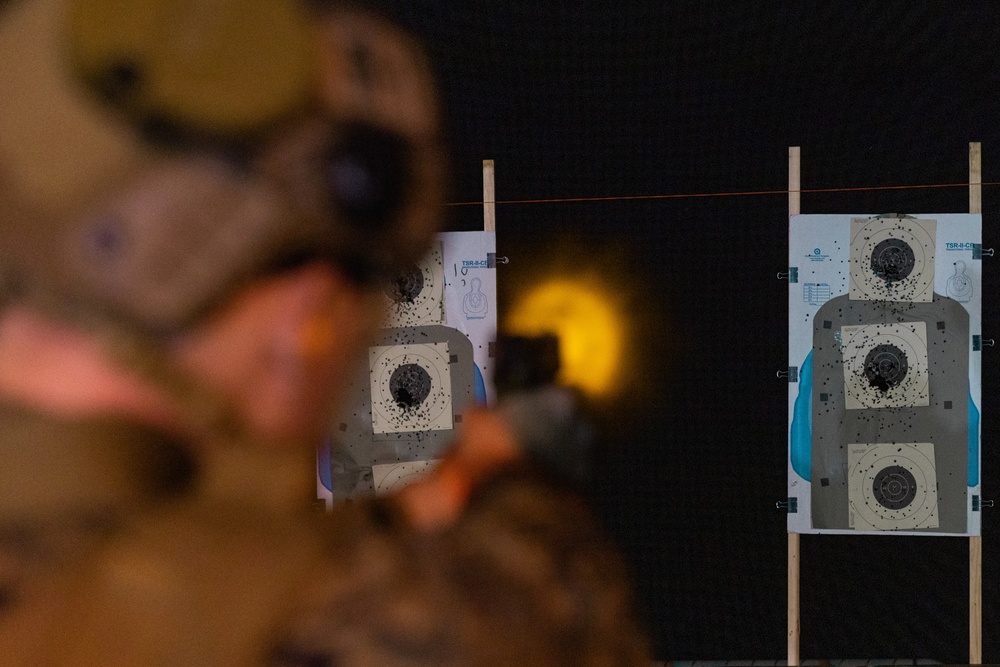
(885, 365)
(410, 387)
(415, 296)
(892, 486)
(391, 477)
(892, 259)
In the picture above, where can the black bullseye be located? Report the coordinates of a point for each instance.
(409, 386)
(885, 367)
(893, 260)
(894, 487)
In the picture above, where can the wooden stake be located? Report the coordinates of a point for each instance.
(975, 177)
(794, 186)
(975, 600)
(975, 541)
(794, 181)
(489, 198)
(793, 599)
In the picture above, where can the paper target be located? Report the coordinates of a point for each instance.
(892, 486)
(407, 401)
(410, 387)
(885, 365)
(374, 427)
(892, 259)
(415, 297)
(391, 477)
(888, 355)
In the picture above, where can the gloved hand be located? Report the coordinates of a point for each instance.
(541, 429)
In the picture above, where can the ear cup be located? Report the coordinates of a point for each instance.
(387, 169)
(892, 486)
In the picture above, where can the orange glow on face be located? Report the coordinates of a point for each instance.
(589, 328)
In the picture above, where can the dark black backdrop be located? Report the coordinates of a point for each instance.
(587, 99)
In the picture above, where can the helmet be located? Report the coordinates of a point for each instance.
(156, 154)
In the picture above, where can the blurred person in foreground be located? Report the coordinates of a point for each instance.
(199, 203)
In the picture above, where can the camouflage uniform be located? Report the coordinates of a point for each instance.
(127, 543)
